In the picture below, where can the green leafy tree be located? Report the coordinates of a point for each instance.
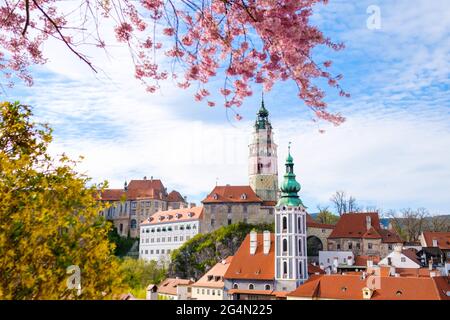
(49, 219)
(138, 274)
(326, 216)
(203, 251)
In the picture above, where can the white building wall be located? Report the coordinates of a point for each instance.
(399, 260)
(157, 241)
(206, 293)
(326, 258)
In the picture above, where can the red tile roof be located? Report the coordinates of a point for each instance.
(353, 225)
(362, 260)
(175, 196)
(176, 215)
(169, 286)
(349, 287)
(214, 277)
(255, 292)
(258, 266)
(443, 239)
(224, 194)
(142, 189)
(411, 254)
(312, 269)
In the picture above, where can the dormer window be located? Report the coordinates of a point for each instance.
(178, 215)
(215, 196)
(244, 196)
(210, 277)
(190, 214)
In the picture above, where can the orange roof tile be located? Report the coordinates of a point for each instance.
(175, 196)
(349, 287)
(214, 277)
(142, 189)
(169, 286)
(362, 260)
(258, 266)
(353, 225)
(443, 239)
(242, 194)
(175, 215)
(312, 269)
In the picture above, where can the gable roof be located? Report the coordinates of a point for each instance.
(354, 225)
(215, 276)
(142, 189)
(175, 215)
(258, 266)
(234, 194)
(349, 287)
(169, 286)
(175, 196)
(443, 239)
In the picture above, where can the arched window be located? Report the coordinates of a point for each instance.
(235, 286)
(121, 228)
(300, 249)
(133, 223)
(284, 268)
(284, 224)
(299, 220)
(267, 287)
(300, 269)
(251, 286)
(285, 245)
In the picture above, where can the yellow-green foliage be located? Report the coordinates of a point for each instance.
(49, 219)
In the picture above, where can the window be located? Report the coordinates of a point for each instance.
(207, 292)
(358, 246)
(133, 223)
(403, 259)
(181, 238)
(175, 239)
(152, 240)
(229, 221)
(169, 239)
(203, 291)
(168, 250)
(212, 222)
(338, 246)
(284, 269)
(158, 240)
(213, 292)
(267, 287)
(300, 251)
(143, 230)
(147, 230)
(350, 246)
(121, 228)
(198, 291)
(390, 246)
(187, 238)
(162, 251)
(284, 224)
(151, 251)
(235, 286)
(163, 239)
(251, 286)
(369, 245)
(157, 251)
(284, 246)
(146, 240)
(146, 251)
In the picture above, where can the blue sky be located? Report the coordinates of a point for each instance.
(392, 152)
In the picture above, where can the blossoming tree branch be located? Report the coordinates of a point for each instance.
(252, 41)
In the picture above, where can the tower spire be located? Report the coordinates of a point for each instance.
(290, 187)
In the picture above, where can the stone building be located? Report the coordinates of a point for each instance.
(137, 201)
(362, 234)
(232, 204)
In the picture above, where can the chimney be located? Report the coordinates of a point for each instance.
(398, 249)
(322, 267)
(435, 243)
(389, 261)
(253, 242)
(368, 222)
(266, 242)
(125, 186)
(369, 263)
(145, 177)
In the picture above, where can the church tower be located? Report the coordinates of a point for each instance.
(291, 267)
(263, 163)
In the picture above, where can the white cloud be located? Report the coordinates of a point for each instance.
(385, 154)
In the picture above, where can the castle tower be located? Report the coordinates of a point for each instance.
(263, 163)
(291, 267)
